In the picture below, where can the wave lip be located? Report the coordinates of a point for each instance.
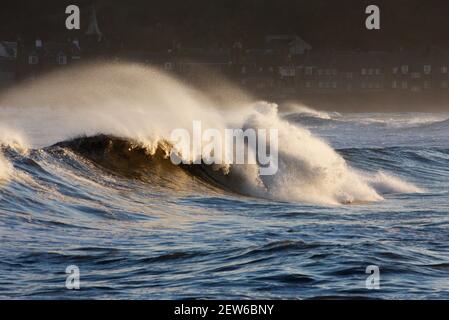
(311, 183)
(387, 184)
(9, 139)
(129, 112)
(303, 111)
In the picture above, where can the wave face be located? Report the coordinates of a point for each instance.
(144, 105)
(5, 168)
(86, 179)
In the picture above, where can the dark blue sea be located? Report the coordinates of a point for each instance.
(353, 190)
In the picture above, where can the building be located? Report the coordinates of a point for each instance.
(364, 72)
(288, 44)
(34, 58)
(260, 69)
(193, 60)
(318, 72)
(92, 40)
(41, 56)
(420, 71)
(8, 56)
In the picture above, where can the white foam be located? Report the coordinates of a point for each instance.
(142, 103)
(5, 169)
(302, 109)
(388, 184)
(11, 139)
(309, 169)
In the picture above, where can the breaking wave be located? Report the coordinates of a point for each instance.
(9, 140)
(5, 168)
(121, 116)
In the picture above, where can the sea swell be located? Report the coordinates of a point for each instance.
(129, 159)
(139, 107)
(88, 181)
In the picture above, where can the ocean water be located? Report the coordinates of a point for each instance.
(85, 181)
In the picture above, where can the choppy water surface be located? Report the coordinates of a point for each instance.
(139, 227)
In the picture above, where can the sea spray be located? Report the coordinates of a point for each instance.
(144, 105)
(13, 140)
(309, 169)
(5, 168)
(387, 184)
(295, 108)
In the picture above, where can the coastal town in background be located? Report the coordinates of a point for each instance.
(284, 66)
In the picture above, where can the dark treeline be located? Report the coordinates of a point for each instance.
(155, 24)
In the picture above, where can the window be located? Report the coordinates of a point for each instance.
(33, 59)
(309, 70)
(308, 84)
(443, 69)
(378, 71)
(62, 59)
(395, 84)
(404, 69)
(395, 70)
(168, 66)
(404, 85)
(243, 70)
(427, 69)
(363, 71)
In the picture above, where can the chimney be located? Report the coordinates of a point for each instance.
(93, 29)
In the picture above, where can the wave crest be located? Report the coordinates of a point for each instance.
(142, 105)
(9, 139)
